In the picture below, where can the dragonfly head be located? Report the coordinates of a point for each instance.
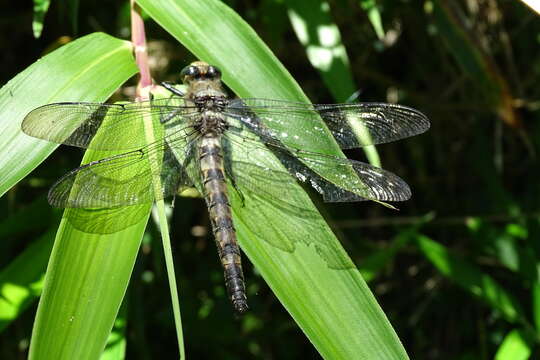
(199, 70)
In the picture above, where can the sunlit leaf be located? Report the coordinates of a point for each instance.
(40, 10)
(333, 307)
(88, 273)
(515, 346)
(321, 38)
(21, 281)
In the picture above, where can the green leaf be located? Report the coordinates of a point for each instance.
(87, 273)
(332, 305)
(72, 73)
(536, 305)
(374, 15)
(116, 344)
(471, 279)
(85, 282)
(40, 9)
(372, 265)
(321, 38)
(21, 281)
(515, 346)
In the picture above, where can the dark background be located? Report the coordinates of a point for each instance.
(472, 67)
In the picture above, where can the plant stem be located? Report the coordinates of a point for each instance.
(143, 91)
(167, 251)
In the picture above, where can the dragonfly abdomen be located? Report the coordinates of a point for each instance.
(217, 200)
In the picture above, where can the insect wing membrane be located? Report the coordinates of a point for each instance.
(77, 124)
(119, 179)
(182, 140)
(269, 191)
(337, 179)
(352, 125)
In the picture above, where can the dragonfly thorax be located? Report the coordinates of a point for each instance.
(211, 122)
(210, 102)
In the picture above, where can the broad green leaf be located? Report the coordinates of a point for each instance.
(74, 72)
(100, 244)
(116, 344)
(87, 273)
(85, 282)
(333, 306)
(515, 346)
(21, 281)
(471, 279)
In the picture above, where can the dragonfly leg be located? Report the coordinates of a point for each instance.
(172, 89)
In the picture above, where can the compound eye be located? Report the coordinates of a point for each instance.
(191, 71)
(213, 72)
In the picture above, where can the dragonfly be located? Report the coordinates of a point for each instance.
(195, 134)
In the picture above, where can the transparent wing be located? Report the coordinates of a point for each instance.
(268, 192)
(352, 125)
(336, 179)
(77, 123)
(121, 180)
(267, 196)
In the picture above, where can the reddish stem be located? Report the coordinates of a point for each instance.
(138, 38)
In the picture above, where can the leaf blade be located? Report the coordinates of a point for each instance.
(215, 34)
(69, 310)
(55, 78)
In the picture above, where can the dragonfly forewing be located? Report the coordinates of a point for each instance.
(76, 124)
(336, 179)
(352, 125)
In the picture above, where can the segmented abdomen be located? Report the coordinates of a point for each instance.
(212, 171)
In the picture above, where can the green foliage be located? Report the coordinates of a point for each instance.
(40, 9)
(472, 279)
(458, 283)
(22, 280)
(514, 347)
